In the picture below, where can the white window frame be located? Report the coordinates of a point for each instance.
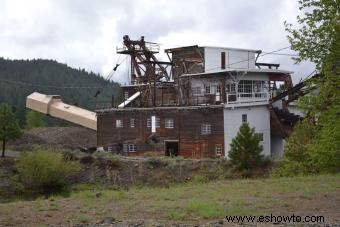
(210, 89)
(125, 147)
(148, 122)
(132, 122)
(126, 95)
(207, 89)
(119, 123)
(158, 122)
(206, 129)
(132, 147)
(169, 123)
(244, 118)
(218, 150)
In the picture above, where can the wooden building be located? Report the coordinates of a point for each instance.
(194, 104)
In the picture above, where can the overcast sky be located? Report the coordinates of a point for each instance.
(85, 33)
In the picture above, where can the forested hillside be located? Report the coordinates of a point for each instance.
(19, 78)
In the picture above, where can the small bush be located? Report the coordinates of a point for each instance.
(45, 171)
(69, 155)
(245, 150)
(114, 163)
(156, 162)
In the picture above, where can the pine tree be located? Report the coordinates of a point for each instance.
(245, 152)
(9, 126)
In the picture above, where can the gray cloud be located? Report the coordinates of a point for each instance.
(84, 33)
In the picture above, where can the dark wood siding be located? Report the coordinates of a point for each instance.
(187, 130)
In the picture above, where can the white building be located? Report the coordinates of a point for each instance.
(245, 89)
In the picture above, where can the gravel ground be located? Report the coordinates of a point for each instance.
(60, 137)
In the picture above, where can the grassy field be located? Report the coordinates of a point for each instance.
(187, 203)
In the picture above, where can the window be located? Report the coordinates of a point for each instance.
(205, 129)
(230, 88)
(218, 88)
(196, 91)
(169, 123)
(260, 136)
(129, 147)
(132, 148)
(109, 149)
(210, 89)
(126, 95)
(125, 147)
(158, 122)
(119, 123)
(218, 150)
(207, 90)
(132, 122)
(245, 86)
(244, 118)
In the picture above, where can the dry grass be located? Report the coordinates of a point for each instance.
(191, 202)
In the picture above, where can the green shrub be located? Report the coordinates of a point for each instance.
(114, 163)
(156, 162)
(45, 171)
(245, 150)
(312, 149)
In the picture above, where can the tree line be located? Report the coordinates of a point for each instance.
(19, 78)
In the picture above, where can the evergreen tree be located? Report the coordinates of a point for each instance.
(34, 119)
(245, 149)
(9, 127)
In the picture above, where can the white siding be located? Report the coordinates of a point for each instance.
(236, 59)
(257, 116)
(277, 146)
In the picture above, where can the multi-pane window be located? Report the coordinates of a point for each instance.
(132, 148)
(260, 136)
(230, 88)
(247, 86)
(207, 89)
(132, 122)
(211, 89)
(244, 118)
(125, 147)
(126, 95)
(169, 123)
(205, 129)
(196, 91)
(218, 150)
(158, 122)
(218, 88)
(119, 123)
(129, 147)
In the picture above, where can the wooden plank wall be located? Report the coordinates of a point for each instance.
(187, 130)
